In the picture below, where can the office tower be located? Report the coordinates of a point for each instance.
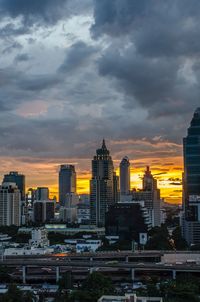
(150, 194)
(116, 193)
(128, 220)
(42, 193)
(191, 181)
(67, 182)
(43, 211)
(17, 178)
(101, 185)
(10, 204)
(125, 176)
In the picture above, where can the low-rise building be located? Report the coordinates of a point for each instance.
(129, 298)
(27, 251)
(90, 245)
(39, 238)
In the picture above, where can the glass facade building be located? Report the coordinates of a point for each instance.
(191, 149)
(191, 181)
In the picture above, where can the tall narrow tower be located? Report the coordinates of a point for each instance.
(191, 181)
(125, 176)
(101, 185)
(67, 182)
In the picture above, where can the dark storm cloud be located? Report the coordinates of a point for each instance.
(77, 56)
(42, 12)
(151, 46)
(146, 80)
(13, 46)
(23, 57)
(37, 11)
(39, 82)
(10, 29)
(131, 84)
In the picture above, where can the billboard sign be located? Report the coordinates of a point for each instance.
(143, 238)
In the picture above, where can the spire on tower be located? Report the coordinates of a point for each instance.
(104, 144)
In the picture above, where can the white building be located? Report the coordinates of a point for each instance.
(10, 204)
(88, 245)
(39, 238)
(129, 298)
(27, 251)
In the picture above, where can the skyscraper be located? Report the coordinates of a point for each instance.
(191, 181)
(10, 204)
(125, 176)
(101, 185)
(67, 182)
(150, 194)
(17, 178)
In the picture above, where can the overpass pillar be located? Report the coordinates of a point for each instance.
(133, 274)
(24, 274)
(126, 258)
(174, 274)
(91, 259)
(57, 274)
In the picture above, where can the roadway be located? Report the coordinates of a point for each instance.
(46, 262)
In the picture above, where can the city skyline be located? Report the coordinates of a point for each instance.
(169, 178)
(73, 72)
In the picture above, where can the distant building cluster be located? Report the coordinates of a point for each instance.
(111, 204)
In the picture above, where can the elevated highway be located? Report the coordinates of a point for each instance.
(87, 266)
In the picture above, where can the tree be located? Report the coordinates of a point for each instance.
(13, 294)
(66, 281)
(179, 242)
(95, 286)
(159, 239)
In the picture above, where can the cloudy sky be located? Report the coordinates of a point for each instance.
(75, 71)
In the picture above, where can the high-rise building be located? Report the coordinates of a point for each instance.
(10, 204)
(67, 182)
(125, 176)
(17, 178)
(43, 211)
(191, 181)
(42, 193)
(101, 185)
(150, 194)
